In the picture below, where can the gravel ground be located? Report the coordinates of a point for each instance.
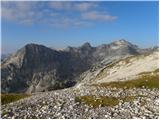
(61, 104)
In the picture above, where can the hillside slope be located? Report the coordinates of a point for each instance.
(121, 70)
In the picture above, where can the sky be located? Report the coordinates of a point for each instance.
(61, 24)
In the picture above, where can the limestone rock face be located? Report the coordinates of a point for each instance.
(36, 68)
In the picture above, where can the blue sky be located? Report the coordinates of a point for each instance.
(62, 24)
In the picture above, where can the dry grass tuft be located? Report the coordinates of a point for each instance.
(12, 97)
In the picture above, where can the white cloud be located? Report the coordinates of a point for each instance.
(69, 22)
(77, 6)
(19, 11)
(55, 13)
(60, 5)
(96, 15)
(85, 6)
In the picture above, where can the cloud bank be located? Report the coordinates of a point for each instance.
(55, 13)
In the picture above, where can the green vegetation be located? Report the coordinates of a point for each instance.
(145, 80)
(144, 73)
(157, 70)
(128, 98)
(8, 98)
(103, 101)
(153, 72)
(95, 102)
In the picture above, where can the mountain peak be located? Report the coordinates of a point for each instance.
(86, 45)
(33, 45)
(121, 41)
(37, 48)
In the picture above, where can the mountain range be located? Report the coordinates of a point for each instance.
(36, 68)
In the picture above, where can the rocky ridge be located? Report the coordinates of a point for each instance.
(36, 68)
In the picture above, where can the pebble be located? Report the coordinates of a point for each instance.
(60, 104)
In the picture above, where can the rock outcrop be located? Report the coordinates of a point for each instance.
(36, 68)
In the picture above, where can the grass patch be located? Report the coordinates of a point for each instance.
(96, 102)
(128, 98)
(147, 81)
(8, 98)
(103, 101)
(157, 70)
(147, 73)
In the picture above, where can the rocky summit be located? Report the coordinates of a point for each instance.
(111, 81)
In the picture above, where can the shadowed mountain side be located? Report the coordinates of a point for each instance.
(36, 68)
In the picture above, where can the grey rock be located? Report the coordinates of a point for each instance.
(36, 68)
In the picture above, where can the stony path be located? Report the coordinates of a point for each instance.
(61, 104)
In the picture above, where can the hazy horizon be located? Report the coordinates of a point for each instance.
(75, 46)
(62, 24)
